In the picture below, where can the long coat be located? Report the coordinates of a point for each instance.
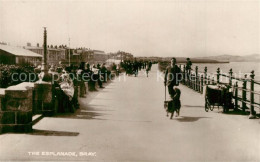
(173, 75)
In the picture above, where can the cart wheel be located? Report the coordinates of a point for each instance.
(206, 106)
(211, 108)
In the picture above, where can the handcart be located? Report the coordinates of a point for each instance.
(218, 95)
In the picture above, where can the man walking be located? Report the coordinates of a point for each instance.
(172, 77)
(188, 65)
(100, 78)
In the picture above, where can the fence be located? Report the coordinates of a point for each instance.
(244, 97)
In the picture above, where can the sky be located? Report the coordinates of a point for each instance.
(187, 28)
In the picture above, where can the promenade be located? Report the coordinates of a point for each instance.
(126, 121)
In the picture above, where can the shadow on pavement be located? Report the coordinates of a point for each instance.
(104, 91)
(237, 112)
(89, 112)
(94, 107)
(146, 121)
(52, 133)
(99, 98)
(80, 115)
(189, 119)
(193, 106)
(108, 88)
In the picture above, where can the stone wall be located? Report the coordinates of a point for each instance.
(16, 109)
(19, 103)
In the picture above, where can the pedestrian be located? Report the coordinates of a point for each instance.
(172, 77)
(117, 69)
(99, 77)
(147, 70)
(150, 65)
(188, 67)
(104, 72)
(90, 78)
(75, 81)
(135, 67)
(81, 83)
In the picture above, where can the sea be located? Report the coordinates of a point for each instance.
(239, 70)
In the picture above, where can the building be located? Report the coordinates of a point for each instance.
(72, 56)
(54, 54)
(121, 55)
(16, 55)
(88, 55)
(100, 56)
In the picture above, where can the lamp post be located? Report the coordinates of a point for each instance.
(69, 51)
(44, 61)
(44, 75)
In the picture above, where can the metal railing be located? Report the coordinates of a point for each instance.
(196, 80)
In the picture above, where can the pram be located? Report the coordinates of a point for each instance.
(218, 95)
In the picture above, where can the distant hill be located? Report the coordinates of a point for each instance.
(196, 60)
(210, 59)
(232, 58)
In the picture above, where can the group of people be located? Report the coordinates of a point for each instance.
(85, 73)
(73, 81)
(133, 67)
(173, 77)
(93, 74)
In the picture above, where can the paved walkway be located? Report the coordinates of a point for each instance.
(126, 122)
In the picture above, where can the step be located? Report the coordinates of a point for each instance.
(36, 118)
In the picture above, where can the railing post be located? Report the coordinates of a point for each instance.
(194, 81)
(184, 74)
(252, 111)
(196, 78)
(181, 72)
(191, 81)
(230, 77)
(218, 74)
(205, 74)
(201, 82)
(198, 84)
(213, 80)
(236, 95)
(244, 95)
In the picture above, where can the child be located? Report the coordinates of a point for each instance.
(175, 103)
